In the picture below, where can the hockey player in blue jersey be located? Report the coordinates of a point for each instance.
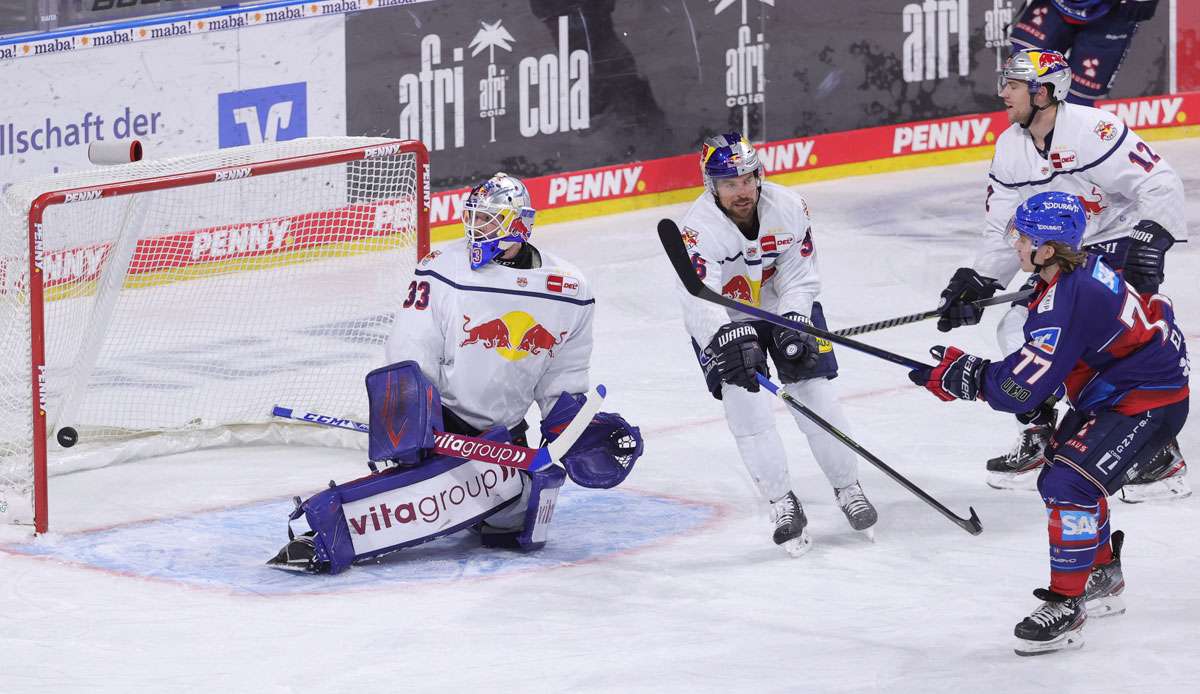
(1123, 365)
(1096, 34)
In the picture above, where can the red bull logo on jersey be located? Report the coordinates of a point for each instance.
(1093, 204)
(1105, 130)
(742, 288)
(513, 336)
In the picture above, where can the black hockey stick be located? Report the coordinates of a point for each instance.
(915, 317)
(672, 243)
(971, 525)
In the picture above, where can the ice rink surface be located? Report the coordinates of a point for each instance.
(152, 579)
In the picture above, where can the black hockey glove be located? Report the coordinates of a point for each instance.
(1042, 415)
(796, 346)
(1137, 10)
(955, 307)
(957, 375)
(735, 356)
(1145, 260)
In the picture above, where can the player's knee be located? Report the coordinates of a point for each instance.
(1062, 484)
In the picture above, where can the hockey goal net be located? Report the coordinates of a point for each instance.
(165, 305)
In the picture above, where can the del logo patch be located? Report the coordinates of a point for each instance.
(1062, 160)
(1045, 339)
(562, 284)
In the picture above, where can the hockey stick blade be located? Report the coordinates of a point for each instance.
(466, 447)
(925, 315)
(672, 243)
(971, 525)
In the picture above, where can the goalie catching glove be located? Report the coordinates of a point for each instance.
(604, 454)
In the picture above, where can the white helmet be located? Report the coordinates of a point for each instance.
(1036, 68)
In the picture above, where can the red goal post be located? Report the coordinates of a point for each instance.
(170, 303)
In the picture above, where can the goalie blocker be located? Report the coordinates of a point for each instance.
(424, 496)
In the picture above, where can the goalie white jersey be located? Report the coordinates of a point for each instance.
(777, 271)
(496, 339)
(1119, 178)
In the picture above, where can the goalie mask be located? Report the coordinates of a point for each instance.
(497, 215)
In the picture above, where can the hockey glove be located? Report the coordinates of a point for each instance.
(797, 346)
(1042, 415)
(1137, 10)
(1145, 258)
(735, 356)
(955, 307)
(957, 375)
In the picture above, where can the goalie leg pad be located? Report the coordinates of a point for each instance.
(405, 410)
(533, 513)
(403, 507)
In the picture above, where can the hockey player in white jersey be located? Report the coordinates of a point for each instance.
(494, 325)
(752, 240)
(1135, 206)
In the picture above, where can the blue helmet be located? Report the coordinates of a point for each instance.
(497, 214)
(727, 156)
(1051, 216)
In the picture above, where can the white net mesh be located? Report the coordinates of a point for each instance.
(190, 311)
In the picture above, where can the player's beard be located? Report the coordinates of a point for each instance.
(1016, 114)
(741, 210)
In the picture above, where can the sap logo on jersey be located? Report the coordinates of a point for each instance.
(266, 114)
(1078, 525)
(1045, 339)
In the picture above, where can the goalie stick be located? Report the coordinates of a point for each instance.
(915, 317)
(672, 243)
(482, 450)
(971, 525)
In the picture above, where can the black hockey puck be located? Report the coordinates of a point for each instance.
(67, 437)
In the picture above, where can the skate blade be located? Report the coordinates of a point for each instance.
(1167, 489)
(798, 546)
(1067, 641)
(1108, 606)
(1023, 481)
(868, 533)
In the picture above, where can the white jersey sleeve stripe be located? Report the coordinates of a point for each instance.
(1100, 160)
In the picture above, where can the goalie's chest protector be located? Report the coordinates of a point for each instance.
(504, 329)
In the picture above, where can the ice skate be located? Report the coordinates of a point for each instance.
(1102, 595)
(1056, 625)
(1019, 468)
(858, 509)
(1164, 478)
(299, 555)
(791, 527)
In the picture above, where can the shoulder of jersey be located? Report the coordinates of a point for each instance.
(446, 258)
(781, 196)
(1093, 130)
(562, 278)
